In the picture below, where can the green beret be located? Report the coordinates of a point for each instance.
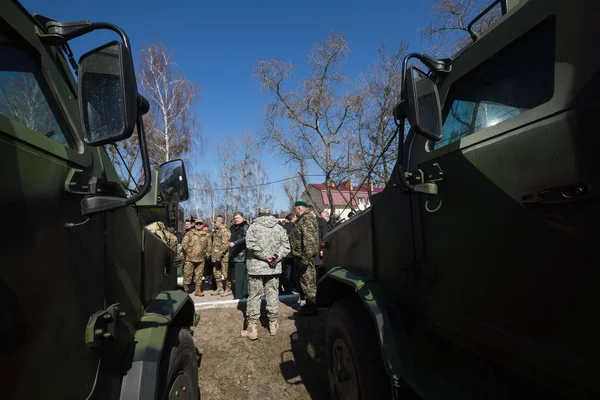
(300, 203)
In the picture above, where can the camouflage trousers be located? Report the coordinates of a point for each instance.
(308, 282)
(221, 273)
(256, 285)
(193, 268)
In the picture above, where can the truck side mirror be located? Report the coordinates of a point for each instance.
(172, 182)
(107, 94)
(424, 110)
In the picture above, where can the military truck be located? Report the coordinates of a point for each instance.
(475, 272)
(89, 306)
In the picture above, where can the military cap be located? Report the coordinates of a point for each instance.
(199, 221)
(300, 203)
(262, 211)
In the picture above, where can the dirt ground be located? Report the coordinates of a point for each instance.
(290, 365)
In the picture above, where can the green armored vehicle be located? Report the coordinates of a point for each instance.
(475, 273)
(88, 297)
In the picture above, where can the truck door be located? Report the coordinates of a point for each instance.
(510, 244)
(51, 278)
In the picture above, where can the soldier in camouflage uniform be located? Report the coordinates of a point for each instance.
(267, 244)
(304, 242)
(158, 228)
(196, 245)
(220, 255)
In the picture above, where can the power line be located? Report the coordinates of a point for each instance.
(272, 182)
(260, 184)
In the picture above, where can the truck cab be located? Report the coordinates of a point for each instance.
(474, 273)
(89, 300)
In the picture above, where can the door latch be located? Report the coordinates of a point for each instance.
(103, 325)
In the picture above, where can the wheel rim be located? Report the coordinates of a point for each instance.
(344, 371)
(181, 388)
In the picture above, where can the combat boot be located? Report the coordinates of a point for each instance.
(273, 326)
(198, 292)
(252, 331)
(227, 291)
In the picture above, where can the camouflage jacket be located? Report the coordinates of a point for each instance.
(158, 228)
(304, 238)
(265, 237)
(196, 245)
(220, 245)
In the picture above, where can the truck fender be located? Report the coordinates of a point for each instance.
(340, 282)
(169, 309)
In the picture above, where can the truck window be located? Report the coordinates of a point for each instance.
(516, 79)
(24, 95)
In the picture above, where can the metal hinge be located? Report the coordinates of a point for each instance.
(103, 325)
(426, 174)
(424, 180)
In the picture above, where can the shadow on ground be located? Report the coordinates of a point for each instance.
(305, 362)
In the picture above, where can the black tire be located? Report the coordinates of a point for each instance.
(178, 357)
(349, 324)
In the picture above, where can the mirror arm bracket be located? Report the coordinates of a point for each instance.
(440, 66)
(68, 30)
(61, 32)
(58, 33)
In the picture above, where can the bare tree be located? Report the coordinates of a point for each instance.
(203, 196)
(448, 31)
(308, 123)
(293, 190)
(257, 194)
(242, 175)
(171, 125)
(227, 154)
(374, 126)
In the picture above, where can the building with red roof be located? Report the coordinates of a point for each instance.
(342, 193)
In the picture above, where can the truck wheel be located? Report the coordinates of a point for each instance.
(178, 371)
(354, 363)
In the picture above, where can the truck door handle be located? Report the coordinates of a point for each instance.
(560, 194)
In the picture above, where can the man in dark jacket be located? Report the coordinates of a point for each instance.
(321, 223)
(288, 274)
(291, 218)
(237, 256)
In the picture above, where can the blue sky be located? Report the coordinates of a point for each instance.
(218, 43)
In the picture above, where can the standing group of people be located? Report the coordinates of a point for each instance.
(220, 247)
(247, 260)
